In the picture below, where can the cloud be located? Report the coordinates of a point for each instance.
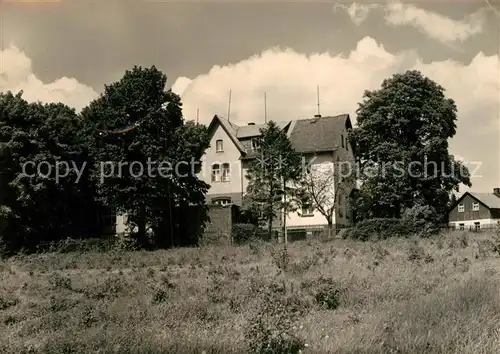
(357, 12)
(16, 74)
(180, 85)
(434, 25)
(290, 80)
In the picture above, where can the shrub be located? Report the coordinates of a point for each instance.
(378, 229)
(243, 233)
(421, 220)
(328, 297)
(272, 330)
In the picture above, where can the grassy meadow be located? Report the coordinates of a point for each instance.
(439, 295)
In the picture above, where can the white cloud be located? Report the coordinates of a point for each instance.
(290, 81)
(436, 26)
(432, 24)
(357, 12)
(16, 73)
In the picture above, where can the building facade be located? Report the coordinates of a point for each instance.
(319, 140)
(476, 211)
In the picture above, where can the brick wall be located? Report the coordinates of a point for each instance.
(218, 229)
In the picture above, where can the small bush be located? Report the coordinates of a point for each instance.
(272, 330)
(248, 233)
(377, 229)
(281, 258)
(421, 220)
(328, 298)
(6, 303)
(58, 281)
(243, 233)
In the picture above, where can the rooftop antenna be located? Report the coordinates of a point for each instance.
(265, 108)
(197, 115)
(229, 107)
(317, 94)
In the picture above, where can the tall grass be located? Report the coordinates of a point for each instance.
(439, 295)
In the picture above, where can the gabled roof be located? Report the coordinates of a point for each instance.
(306, 135)
(489, 200)
(318, 134)
(229, 128)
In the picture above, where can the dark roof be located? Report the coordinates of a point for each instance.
(306, 135)
(318, 134)
(491, 200)
(249, 131)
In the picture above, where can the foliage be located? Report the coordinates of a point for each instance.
(422, 220)
(244, 232)
(272, 330)
(378, 229)
(329, 294)
(162, 147)
(39, 204)
(276, 167)
(401, 144)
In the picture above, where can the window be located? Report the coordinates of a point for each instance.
(226, 172)
(215, 173)
(307, 210)
(462, 226)
(222, 201)
(461, 208)
(219, 146)
(475, 206)
(342, 137)
(255, 144)
(477, 225)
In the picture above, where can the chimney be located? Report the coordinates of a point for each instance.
(317, 116)
(496, 191)
(251, 123)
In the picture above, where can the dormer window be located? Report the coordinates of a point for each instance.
(218, 146)
(255, 144)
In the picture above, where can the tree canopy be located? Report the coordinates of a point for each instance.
(147, 171)
(45, 194)
(144, 172)
(401, 145)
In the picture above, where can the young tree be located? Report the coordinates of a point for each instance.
(142, 151)
(401, 144)
(321, 187)
(272, 175)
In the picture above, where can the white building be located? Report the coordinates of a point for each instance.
(233, 147)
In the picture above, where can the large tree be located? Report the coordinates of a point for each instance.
(45, 194)
(138, 124)
(401, 143)
(273, 175)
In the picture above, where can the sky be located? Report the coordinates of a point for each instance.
(66, 51)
